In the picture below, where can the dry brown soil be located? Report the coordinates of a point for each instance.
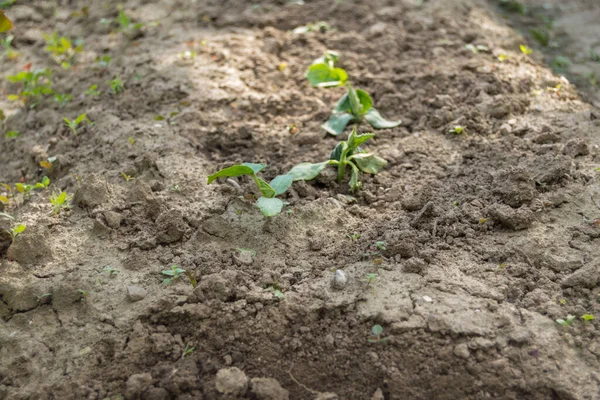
(490, 235)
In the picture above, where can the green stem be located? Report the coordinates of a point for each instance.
(341, 171)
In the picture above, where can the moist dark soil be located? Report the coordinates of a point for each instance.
(489, 236)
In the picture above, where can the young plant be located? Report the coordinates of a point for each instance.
(169, 118)
(83, 295)
(103, 61)
(370, 278)
(62, 49)
(566, 322)
(127, 177)
(323, 73)
(43, 184)
(173, 274)
(116, 85)
(587, 317)
(24, 189)
(112, 272)
(457, 130)
(346, 154)
(268, 204)
(8, 52)
(188, 350)
(76, 124)
(93, 91)
(16, 231)
(35, 85)
(320, 26)
(376, 332)
(126, 24)
(525, 50)
(60, 201)
(355, 106)
(62, 99)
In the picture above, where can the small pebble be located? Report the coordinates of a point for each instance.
(136, 293)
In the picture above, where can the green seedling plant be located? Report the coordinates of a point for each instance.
(525, 50)
(376, 332)
(587, 317)
(93, 91)
(35, 84)
(173, 274)
(323, 72)
(63, 51)
(320, 26)
(268, 203)
(116, 85)
(43, 184)
(566, 322)
(16, 231)
(127, 177)
(192, 277)
(457, 130)
(60, 201)
(24, 189)
(168, 118)
(370, 278)
(346, 154)
(62, 99)
(8, 51)
(187, 351)
(112, 272)
(75, 125)
(103, 61)
(83, 295)
(126, 24)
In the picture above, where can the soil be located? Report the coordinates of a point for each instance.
(490, 236)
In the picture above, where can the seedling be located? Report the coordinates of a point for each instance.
(376, 332)
(355, 106)
(457, 130)
(173, 274)
(112, 272)
(43, 184)
(8, 52)
(62, 49)
(188, 350)
(126, 24)
(12, 134)
(5, 23)
(354, 237)
(5, 215)
(93, 91)
(370, 278)
(323, 73)
(62, 99)
(568, 321)
(320, 26)
(116, 85)
(103, 61)
(24, 189)
(127, 177)
(276, 291)
(35, 85)
(60, 201)
(541, 35)
(192, 277)
(587, 317)
(76, 124)
(16, 231)
(268, 204)
(169, 118)
(503, 57)
(477, 49)
(83, 295)
(525, 50)
(346, 153)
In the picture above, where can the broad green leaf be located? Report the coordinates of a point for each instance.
(269, 206)
(264, 187)
(67, 121)
(377, 330)
(80, 119)
(61, 198)
(45, 181)
(355, 140)
(369, 163)
(365, 100)
(19, 229)
(5, 23)
(236, 170)
(354, 183)
(39, 186)
(343, 104)
(307, 171)
(337, 122)
(323, 75)
(377, 121)
(355, 104)
(587, 317)
(4, 199)
(20, 187)
(281, 183)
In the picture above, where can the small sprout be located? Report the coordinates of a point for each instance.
(587, 317)
(354, 237)
(187, 55)
(131, 140)
(482, 221)
(376, 332)
(62, 49)
(563, 302)
(103, 61)
(45, 298)
(83, 295)
(525, 50)
(567, 322)
(541, 35)
(173, 274)
(93, 91)
(169, 118)
(62, 99)
(293, 129)
(380, 246)
(457, 130)
(24, 189)
(278, 293)
(43, 184)
(560, 63)
(117, 85)
(47, 164)
(455, 203)
(12, 134)
(76, 124)
(323, 73)
(187, 351)
(192, 277)
(8, 52)
(320, 26)
(370, 278)
(35, 84)
(60, 201)
(17, 230)
(477, 49)
(502, 57)
(126, 25)
(127, 177)
(112, 272)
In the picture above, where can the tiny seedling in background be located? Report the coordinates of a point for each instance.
(126, 24)
(169, 118)
(476, 49)
(323, 72)
(354, 237)
(62, 49)
(60, 201)
(173, 274)
(187, 351)
(320, 26)
(370, 278)
(525, 50)
(561, 63)
(83, 295)
(12, 134)
(17, 230)
(103, 61)
(8, 52)
(116, 85)
(457, 130)
(35, 84)
(112, 272)
(566, 322)
(43, 184)
(376, 332)
(24, 189)
(62, 99)
(502, 57)
(76, 124)
(587, 317)
(93, 91)
(127, 177)
(192, 277)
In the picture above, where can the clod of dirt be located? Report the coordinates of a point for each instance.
(217, 286)
(514, 186)
(378, 395)
(462, 351)
(137, 385)
(171, 226)
(135, 293)
(339, 280)
(587, 276)
(94, 191)
(268, 389)
(113, 219)
(552, 169)
(18, 289)
(31, 248)
(415, 265)
(232, 381)
(5, 242)
(576, 147)
(516, 220)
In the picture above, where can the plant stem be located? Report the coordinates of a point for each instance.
(341, 171)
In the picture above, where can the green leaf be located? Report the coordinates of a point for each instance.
(587, 317)
(365, 100)
(337, 122)
(354, 182)
(269, 206)
(377, 330)
(343, 104)
(19, 229)
(378, 122)
(5, 23)
(369, 163)
(281, 183)
(236, 170)
(323, 75)
(45, 181)
(80, 119)
(264, 187)
(336, 153)
(355, 104)
(307, 171)
(355, 140)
